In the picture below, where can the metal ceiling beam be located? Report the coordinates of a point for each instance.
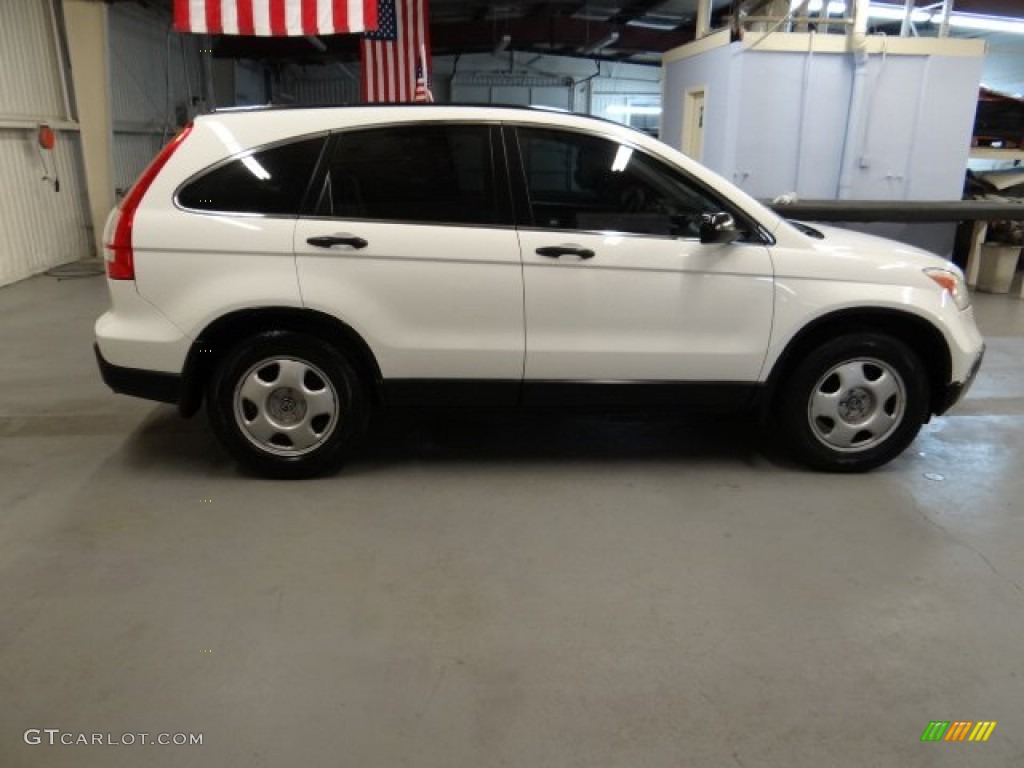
(555, 34)
(560, 32)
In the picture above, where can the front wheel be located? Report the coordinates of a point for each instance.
(287, 405)
(854, 403)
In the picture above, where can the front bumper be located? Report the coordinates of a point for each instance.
(150, 385)
(956, 391)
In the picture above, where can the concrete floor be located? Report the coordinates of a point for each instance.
(497, 592)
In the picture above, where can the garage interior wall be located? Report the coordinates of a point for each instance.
(509, 78)
(578, 84)
(318, 85)
(156, 84)
(39, 226)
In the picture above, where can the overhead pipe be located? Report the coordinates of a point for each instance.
(908, 12)
(703, 19)
(804, 107)
(858, 44)
(947, 11)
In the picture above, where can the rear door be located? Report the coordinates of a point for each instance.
(409, 239)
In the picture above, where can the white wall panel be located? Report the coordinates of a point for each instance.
(39, 227)
(29, 75)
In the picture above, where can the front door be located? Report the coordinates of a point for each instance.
(619, 288)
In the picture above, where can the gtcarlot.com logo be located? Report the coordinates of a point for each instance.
(57, 737)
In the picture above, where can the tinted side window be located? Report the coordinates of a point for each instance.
(270, 181)
(414, 173)
(585, 182)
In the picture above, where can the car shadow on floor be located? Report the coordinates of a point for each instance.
(405, 436)
(547, 435)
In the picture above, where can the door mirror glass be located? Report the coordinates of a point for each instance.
(718, 228)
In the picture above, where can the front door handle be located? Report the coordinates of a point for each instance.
(555, 251)
(329, 241)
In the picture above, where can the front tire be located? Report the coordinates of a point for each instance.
(287, 405)
(854, 403)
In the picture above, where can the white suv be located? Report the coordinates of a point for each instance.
(297, 268)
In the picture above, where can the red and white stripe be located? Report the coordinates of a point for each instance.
(275, 18)
(389, 68)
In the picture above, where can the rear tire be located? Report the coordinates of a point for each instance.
(854, 403)
(287, 405)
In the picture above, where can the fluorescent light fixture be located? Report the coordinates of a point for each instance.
(835, 7)
(655, 21)
(984, 23)
(898, 13)
(889, 12)
(621, 158)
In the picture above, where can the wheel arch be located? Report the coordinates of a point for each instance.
(221, 335)
(916, 332)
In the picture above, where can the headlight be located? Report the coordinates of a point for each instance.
(952, 283)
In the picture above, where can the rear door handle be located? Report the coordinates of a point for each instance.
(555, 251)
(329, 241)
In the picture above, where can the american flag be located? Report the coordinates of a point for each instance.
(422, 92)
(277, 18)
(396, 58)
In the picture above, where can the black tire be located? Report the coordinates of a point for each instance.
(287, 405)
(854, 403)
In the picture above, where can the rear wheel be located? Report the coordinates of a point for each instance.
(287, 405)
(854, 403)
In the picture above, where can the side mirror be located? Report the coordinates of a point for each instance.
(718, 228)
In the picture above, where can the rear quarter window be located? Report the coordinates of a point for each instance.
(270, 182)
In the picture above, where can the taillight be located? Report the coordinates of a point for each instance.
(122, 265)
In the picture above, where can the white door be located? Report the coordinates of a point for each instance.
(693, 123)
(411, 244)
(618, 285)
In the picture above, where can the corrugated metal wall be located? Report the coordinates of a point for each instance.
(29, 75)
(318, 89)
(146, 58)
(39, 227)
(132, 153)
